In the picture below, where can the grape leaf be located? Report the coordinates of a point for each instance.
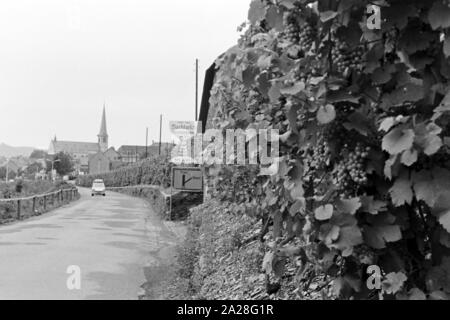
(408, 92)
(323, 212)
(278, 265)
(443, 107)
(359, 122)
(349, 237)
(427, 137)
(368, 204)
(382, 75)
(424, 188)
(439, 295)
(264, 62)
(390, 233)
(447, 45)
(297, 206)
(326, 114)
(398, 140)
(401, 191)
(289, 4)
(249, 76)
(373, 238)
(439, 15)
(409, 157)
(414, 39)
(295, 89)
(416, 294)
(444, 238)
(329, 233)
(387, 124)
(397, 14)
(267, 262)
(430, 185)
(388, 166)
(438, 277)
(327, 15)
(274, 92)
(348, 205)
(393, 282)
(444, 219)
(264, 84)
(377, 236)
(256, 12)
(274, 18)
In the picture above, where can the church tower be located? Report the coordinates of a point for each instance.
(103, 135)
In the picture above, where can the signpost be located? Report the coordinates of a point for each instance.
(185, 179)
(182, 132)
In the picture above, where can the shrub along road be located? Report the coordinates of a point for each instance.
(114, 240)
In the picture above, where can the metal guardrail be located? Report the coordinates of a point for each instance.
(61, 196)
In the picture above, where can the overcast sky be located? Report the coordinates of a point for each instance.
(60, 60)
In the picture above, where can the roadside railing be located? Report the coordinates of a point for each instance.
(38, 204)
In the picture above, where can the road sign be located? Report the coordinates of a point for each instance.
(183, 128)
(188, 179)
(182, 133)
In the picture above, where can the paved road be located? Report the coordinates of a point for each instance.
(112, 239)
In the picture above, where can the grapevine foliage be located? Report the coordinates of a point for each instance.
(363, 176)
(151, 171)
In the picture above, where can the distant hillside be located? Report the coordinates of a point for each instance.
(9, 151)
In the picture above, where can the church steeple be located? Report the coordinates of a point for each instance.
(103, 134)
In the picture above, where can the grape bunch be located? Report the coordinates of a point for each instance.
(316, 157)
(292, 28)
(306, 36)
(364, 254)
(336, 129)
(350, 172)
(346, 58)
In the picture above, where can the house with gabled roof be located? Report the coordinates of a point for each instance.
(82, 151)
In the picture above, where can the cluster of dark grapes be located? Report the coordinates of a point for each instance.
(335, 130)
(344, 57)
(306, 36)
(315, 157)
(292, 28)
(364, 254)
(297, 76)
(350, 171)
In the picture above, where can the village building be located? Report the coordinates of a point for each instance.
(82, 151)
(102, 162)
(132, 154)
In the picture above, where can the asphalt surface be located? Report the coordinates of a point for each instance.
(114, 240)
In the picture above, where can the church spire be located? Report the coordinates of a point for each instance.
(103, 134)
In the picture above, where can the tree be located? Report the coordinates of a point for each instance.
(11, 174)
(62, 163)
(32, 169)
(38, 154)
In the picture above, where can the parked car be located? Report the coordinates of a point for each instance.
(98, 188)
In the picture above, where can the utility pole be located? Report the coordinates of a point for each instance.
(196, 89)
(146, 143)
(160, 132)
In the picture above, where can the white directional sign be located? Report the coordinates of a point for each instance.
(187, 179)
(182, 132)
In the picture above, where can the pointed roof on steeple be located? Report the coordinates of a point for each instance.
(103, 131)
